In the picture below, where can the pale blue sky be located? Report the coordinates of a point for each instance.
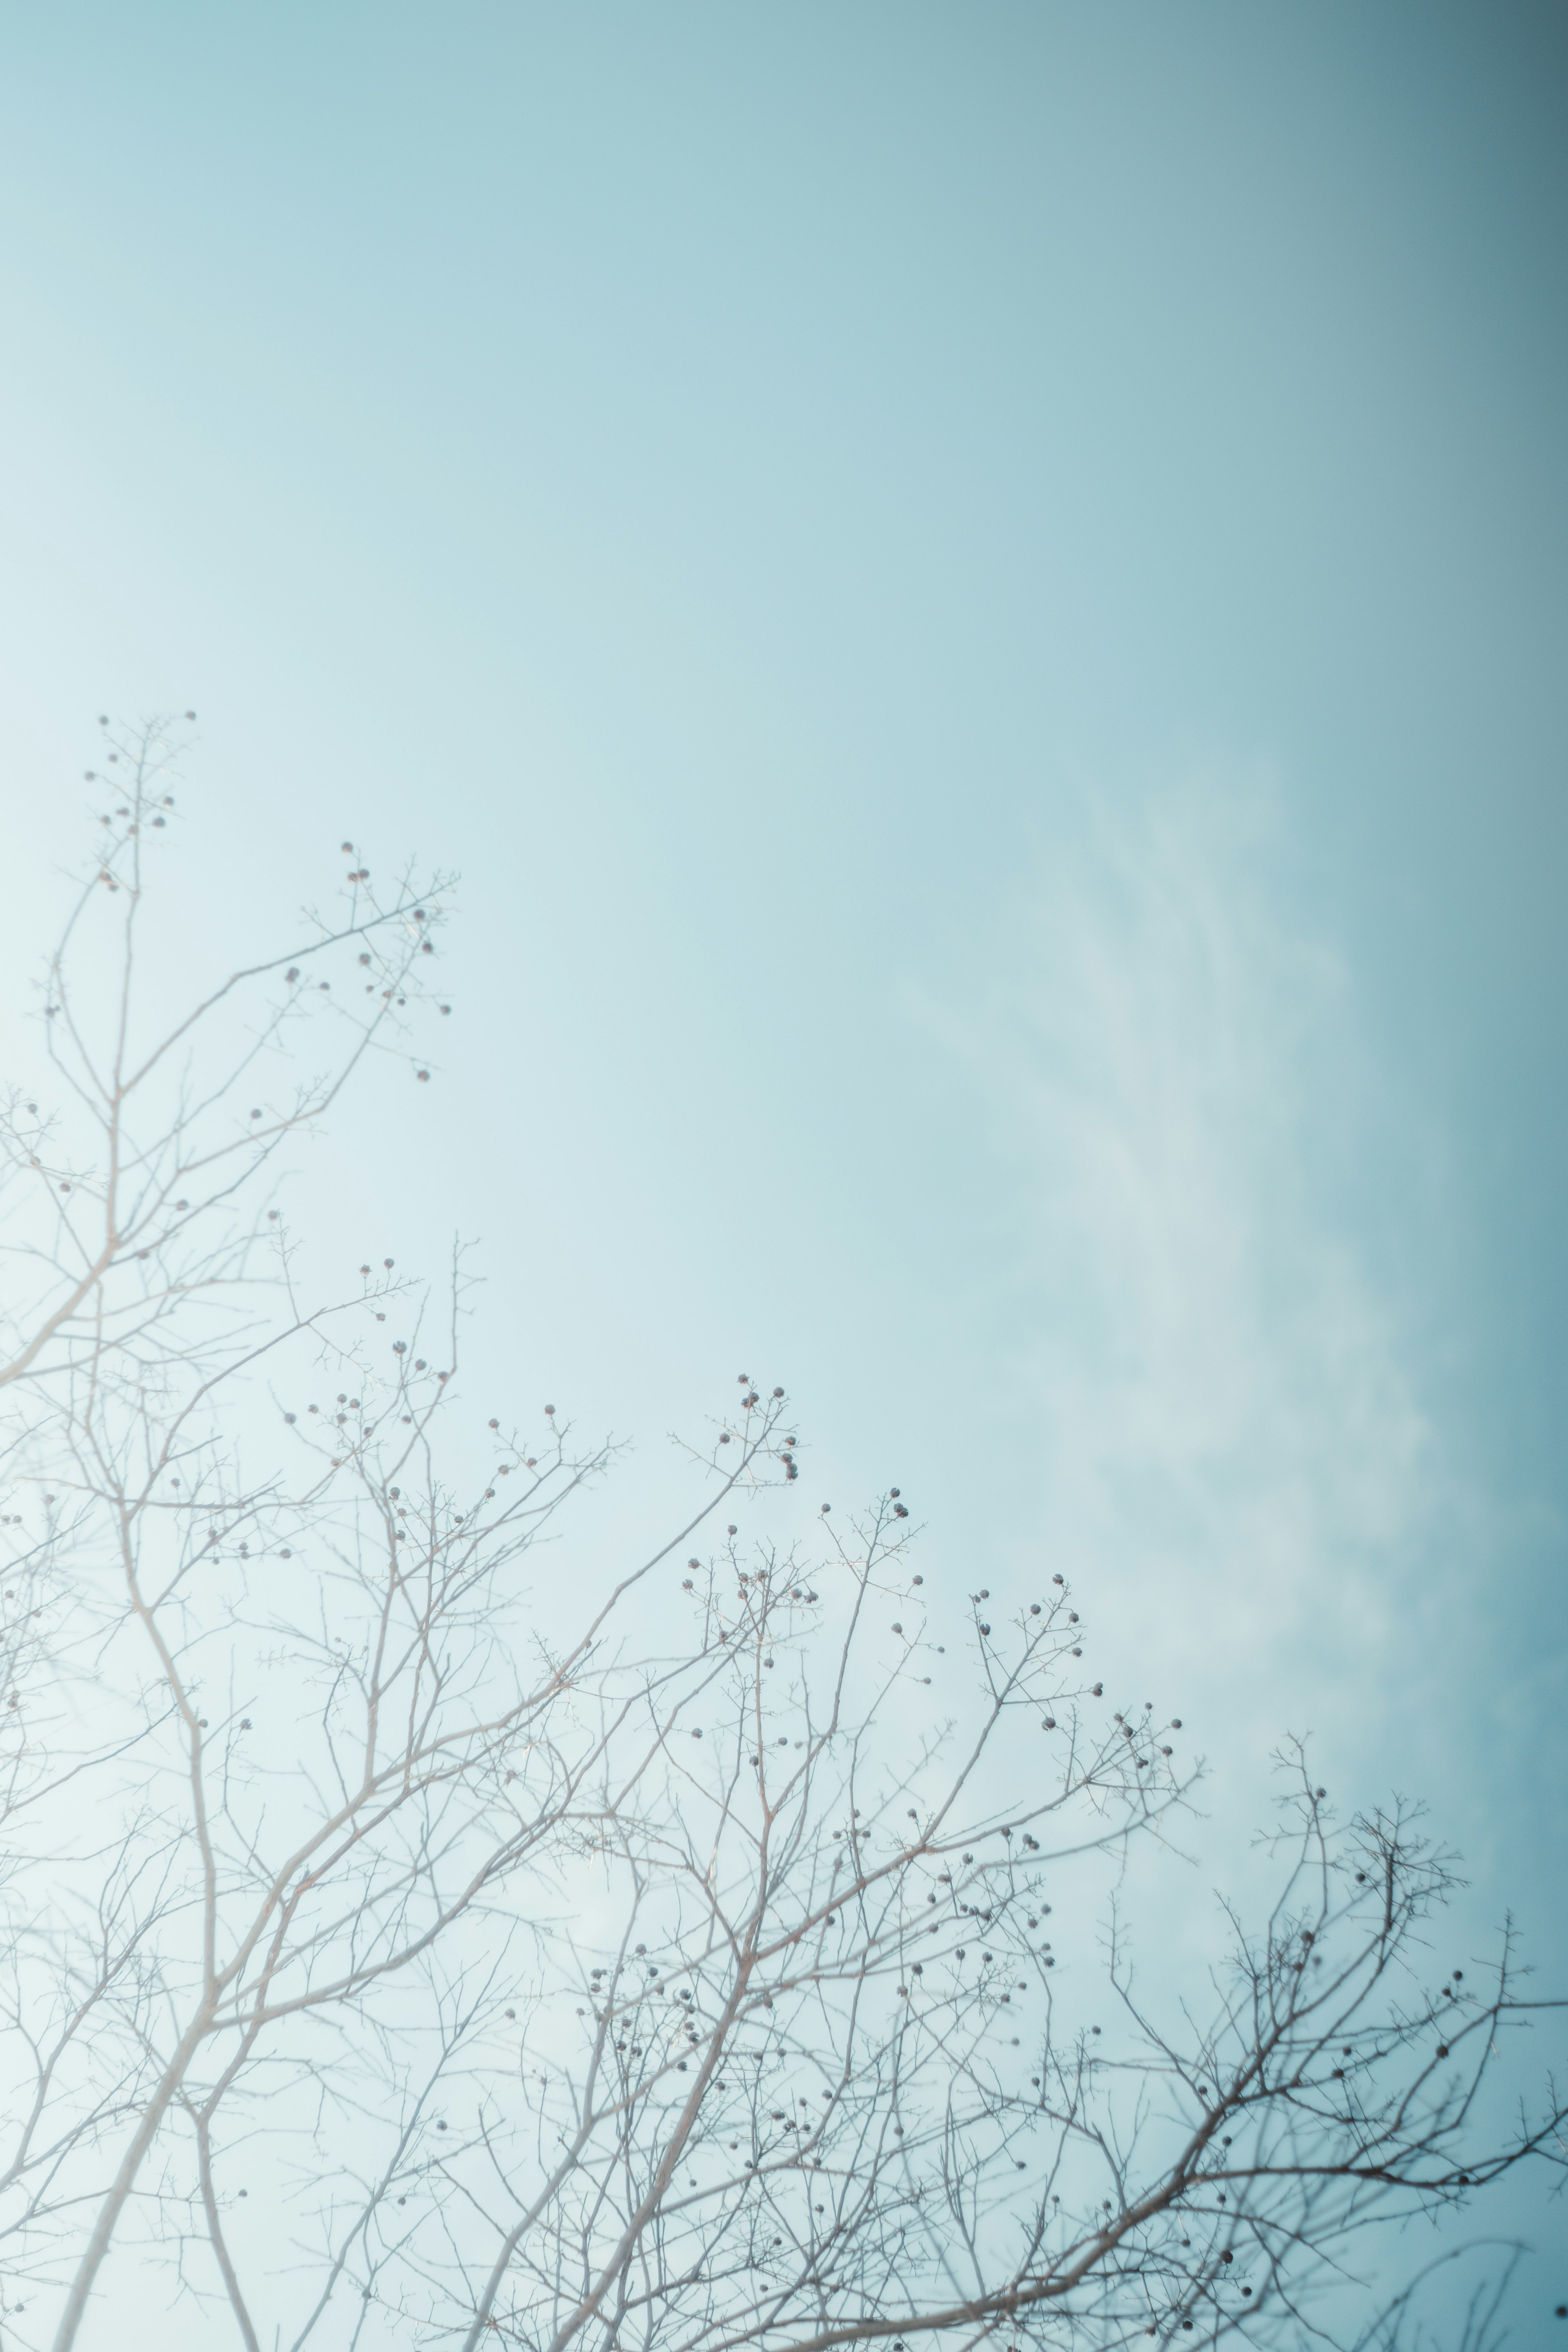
(978, 595)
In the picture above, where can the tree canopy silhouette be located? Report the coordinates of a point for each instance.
(397, 1950)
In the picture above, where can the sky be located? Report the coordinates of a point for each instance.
(977, 597)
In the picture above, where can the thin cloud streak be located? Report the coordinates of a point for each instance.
(1233, 1445)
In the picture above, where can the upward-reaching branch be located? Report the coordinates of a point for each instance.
(654, 1955)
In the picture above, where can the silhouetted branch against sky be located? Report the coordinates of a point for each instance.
(406, 1938)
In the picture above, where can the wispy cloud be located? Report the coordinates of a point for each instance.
(1232, 1435)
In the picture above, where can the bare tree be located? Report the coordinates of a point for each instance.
(651, 1960)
